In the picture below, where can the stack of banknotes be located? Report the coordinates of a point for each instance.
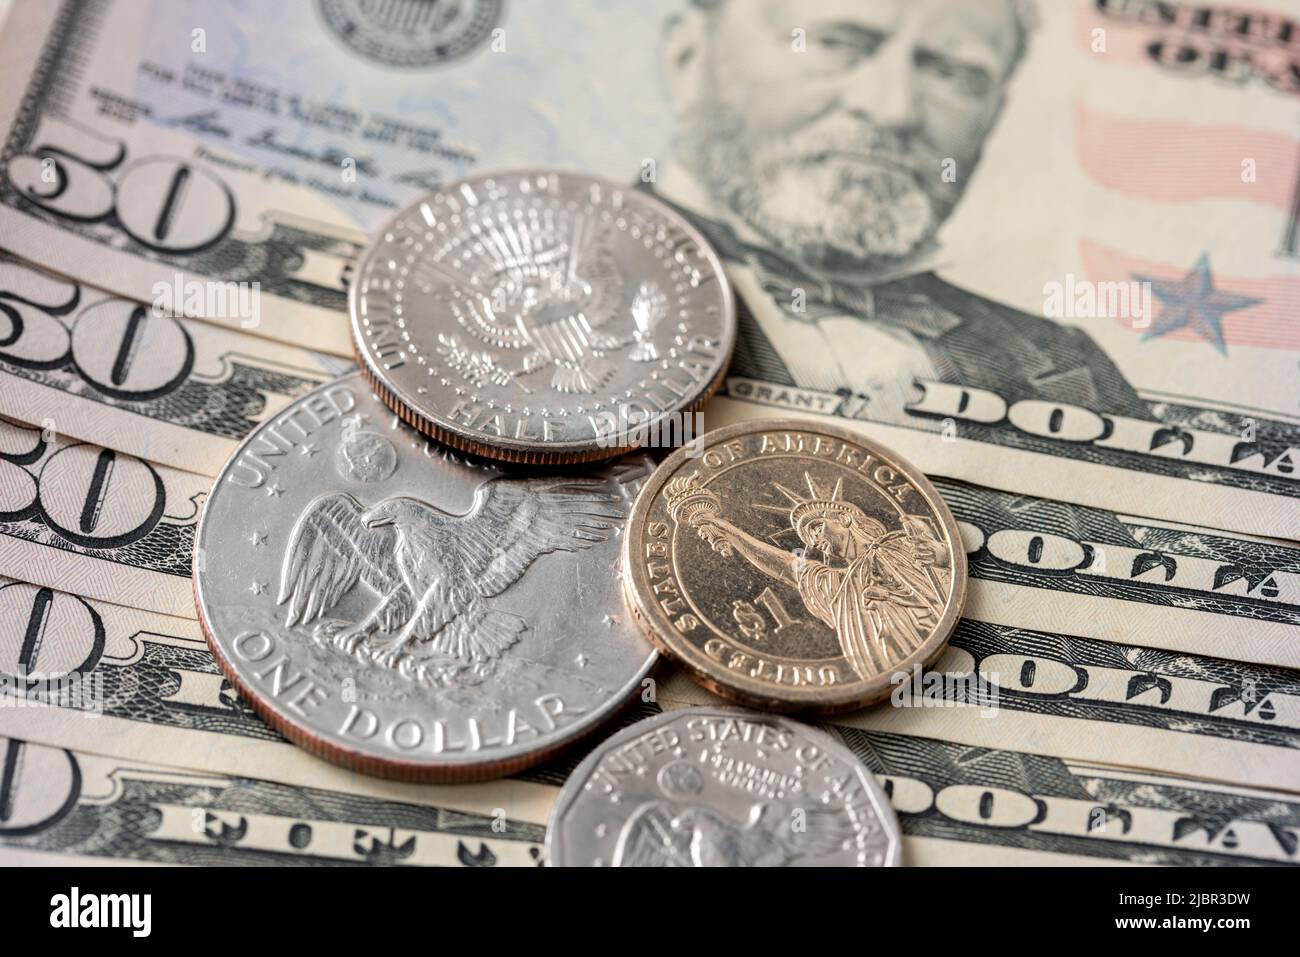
(1049, 252)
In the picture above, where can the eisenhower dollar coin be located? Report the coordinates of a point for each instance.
(543, 317)
(404, 610)
(794, 565)
(722, 787)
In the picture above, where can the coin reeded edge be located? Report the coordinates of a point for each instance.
(577, 780)
(533, 455)
(506, 449)
(707, 673)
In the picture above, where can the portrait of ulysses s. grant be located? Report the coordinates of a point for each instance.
(821, 173)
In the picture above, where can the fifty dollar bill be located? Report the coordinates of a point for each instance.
(113, 371)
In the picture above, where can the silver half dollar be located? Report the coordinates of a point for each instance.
(722, 787)
(538, 316)
(406, 611)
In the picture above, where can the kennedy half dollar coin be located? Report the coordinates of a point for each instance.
(543, 317)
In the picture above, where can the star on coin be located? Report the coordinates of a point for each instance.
(274, 490)
(258, 539)
(309, 449)
(1193, 303)
(257, 587)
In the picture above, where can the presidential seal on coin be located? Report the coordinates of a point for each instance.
(391, 604)
(722, 787)
(794, 565)
(543, 317)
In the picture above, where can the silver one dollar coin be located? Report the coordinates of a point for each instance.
(539, 316)
(722, 787)
(407, 611)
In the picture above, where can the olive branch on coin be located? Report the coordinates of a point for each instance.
(689, 502)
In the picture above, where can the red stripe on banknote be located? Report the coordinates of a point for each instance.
(1166, 161)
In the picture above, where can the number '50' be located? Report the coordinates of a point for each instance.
(163, 202)
(91, 497)
(122, 349)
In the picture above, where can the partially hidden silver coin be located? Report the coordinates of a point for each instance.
(722, 787)
(407, 611)
(539, 316)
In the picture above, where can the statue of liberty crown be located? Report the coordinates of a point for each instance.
(817, 504)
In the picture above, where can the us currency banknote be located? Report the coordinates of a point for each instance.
(101, 368)
(144, 153)
(1087, 700)
(101, 523)
(882, 279)
(147, 212)
(989, 806)
(957, 805)
(138, 685)
(71, 806)
(1096, 573)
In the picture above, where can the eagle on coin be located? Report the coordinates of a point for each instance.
(663, 834)
(555, 300)
(432, 570)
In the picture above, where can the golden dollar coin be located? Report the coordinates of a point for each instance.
(794, 566)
